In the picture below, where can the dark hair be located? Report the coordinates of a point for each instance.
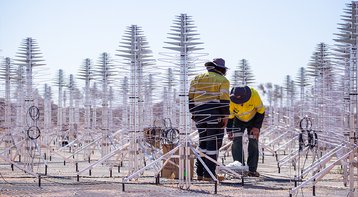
(211, 67)
(221, 70)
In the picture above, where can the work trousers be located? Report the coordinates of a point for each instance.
(253, 148)
(210, 140)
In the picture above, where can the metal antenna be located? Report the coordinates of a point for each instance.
(137, 55)
(6, 73)
(71, 110)
(302, 82)
(343, 54)
(320, 70)
(104, 70)
(184, 45)
(30, 57)
(60, 82)
(86, 138)
(134, 49)
(86, 74)
(289, 87)
(334, 96)
(348, 42)
(243, 75)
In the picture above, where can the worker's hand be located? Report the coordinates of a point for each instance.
(223, 122)
(230, 136)
(255, 132)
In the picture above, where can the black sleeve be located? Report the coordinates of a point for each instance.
(191, 106)
(225, 109)
(230, 125)
(258, 119)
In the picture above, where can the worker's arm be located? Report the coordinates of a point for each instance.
(230, 123)
(259, 116)
(258, 120)
(225, 99)
(230, 128)
(260, 111)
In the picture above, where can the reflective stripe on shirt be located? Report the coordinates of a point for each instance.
(212, 152)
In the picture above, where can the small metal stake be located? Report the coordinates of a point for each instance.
(216, 188)
(157, 179)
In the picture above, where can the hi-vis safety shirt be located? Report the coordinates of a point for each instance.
(209, 93)
(246, 111)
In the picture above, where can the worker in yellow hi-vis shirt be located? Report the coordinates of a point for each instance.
(246, 112)
(209, 104)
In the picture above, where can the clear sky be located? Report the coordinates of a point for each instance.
(275, 36)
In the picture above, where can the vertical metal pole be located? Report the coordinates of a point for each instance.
(20, 99)
(125, 115)
(165, 103)
(87, 76)
(353, 98)
(8, 137)
(104, 72)
(71, 118)
(47, 116)
(28, 103)
(94, 106)
(110, 110)
(59, 105)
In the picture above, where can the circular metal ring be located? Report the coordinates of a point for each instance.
(33, 132)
